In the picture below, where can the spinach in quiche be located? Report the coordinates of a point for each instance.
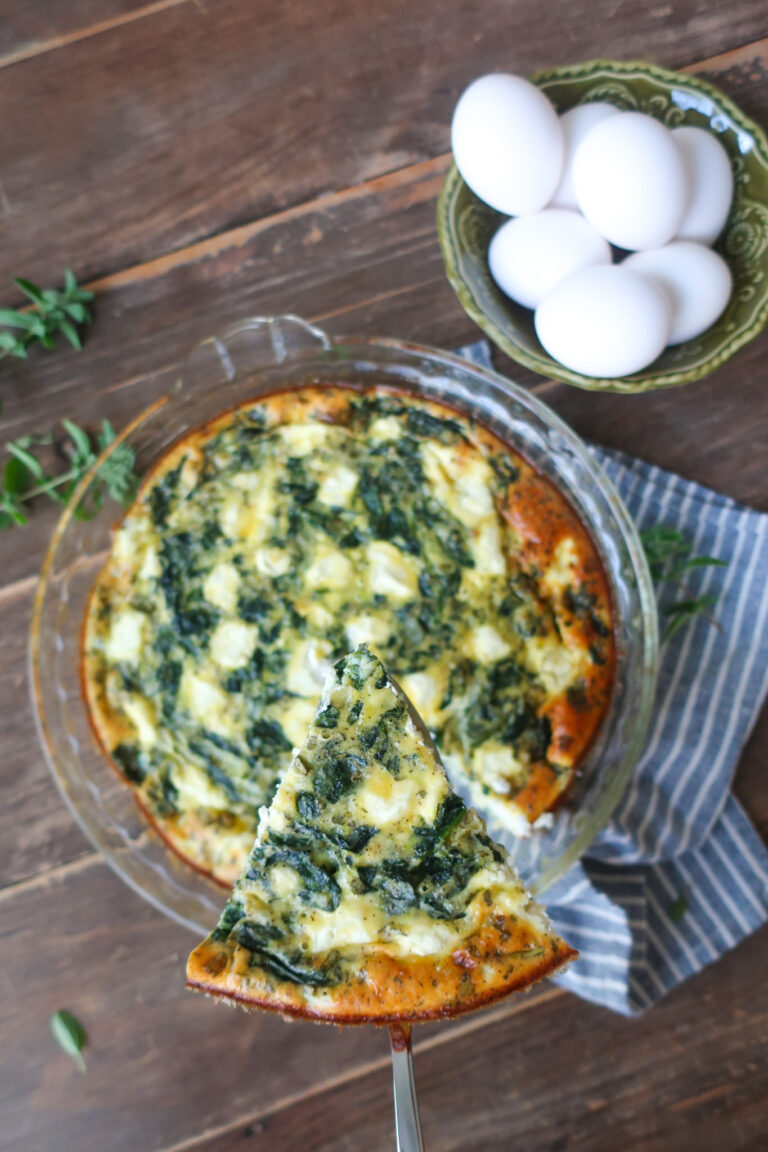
(372, 892)
(265, 545)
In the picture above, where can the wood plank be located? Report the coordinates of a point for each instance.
(39, 26)
(163, 1065)
(690, 1074)
(744, 70)
(36, 829)
(203, 116)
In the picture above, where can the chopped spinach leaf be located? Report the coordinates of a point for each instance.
(328, 718)
(266, 737)
(162, 494)
(335, 775)
(398, 896)
(233, 912)
(130, 761)
(308, 806)
(421, 423)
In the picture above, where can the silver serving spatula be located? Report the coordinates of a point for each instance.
(407, 1123)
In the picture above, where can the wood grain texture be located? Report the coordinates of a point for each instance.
(164, 1065)
(35, 27)
(166, 129)
(36, 829)
(566, 1077)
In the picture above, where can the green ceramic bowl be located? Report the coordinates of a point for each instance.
(466, 225)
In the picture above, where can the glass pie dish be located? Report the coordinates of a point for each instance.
(251, 359)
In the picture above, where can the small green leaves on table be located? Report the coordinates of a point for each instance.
(25, 478)
(70, 1035)
(51, 313)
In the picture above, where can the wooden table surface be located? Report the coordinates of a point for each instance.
(199, 161)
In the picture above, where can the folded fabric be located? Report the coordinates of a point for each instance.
(679, 876)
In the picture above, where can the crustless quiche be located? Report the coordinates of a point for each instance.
(372, 893)
(268, 543)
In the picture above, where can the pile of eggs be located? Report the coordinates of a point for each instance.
(613, 216)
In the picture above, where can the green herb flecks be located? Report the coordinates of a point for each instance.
(668, 555)
(70, 1035)
(51, 313)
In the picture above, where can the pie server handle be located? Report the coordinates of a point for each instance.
(407, 1123)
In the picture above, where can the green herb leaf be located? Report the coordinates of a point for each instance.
(16, 477)
(687, 607)
(29, 289)
(26, 458)
(25, 320)
(70, 1035)
(7, 342)
(83, 452)
(118, 475)
(70, 332)
(683, 611)
(678, 910)
(79, 313)
(704, 562)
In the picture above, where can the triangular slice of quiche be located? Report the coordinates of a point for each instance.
(372, 893)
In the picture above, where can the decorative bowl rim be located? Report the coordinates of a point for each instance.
(543, 364)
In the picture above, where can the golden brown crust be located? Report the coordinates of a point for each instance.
(490, 965)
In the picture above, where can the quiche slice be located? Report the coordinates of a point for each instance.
(372, 893)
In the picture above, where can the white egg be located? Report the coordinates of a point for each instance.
(710, 183)
(605, 321)
(576, 123)
(507, 143)
(698, 280)
(630, 181)
(530, 255)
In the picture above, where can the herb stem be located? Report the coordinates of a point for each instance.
(708, 616)
(51, 484)
(24, 478)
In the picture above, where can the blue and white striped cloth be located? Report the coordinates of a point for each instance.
(679, 876)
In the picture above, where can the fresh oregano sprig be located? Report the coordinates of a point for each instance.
(51, 313)
(24, 477)
(668, 555)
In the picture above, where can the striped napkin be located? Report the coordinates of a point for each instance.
(679, 876)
